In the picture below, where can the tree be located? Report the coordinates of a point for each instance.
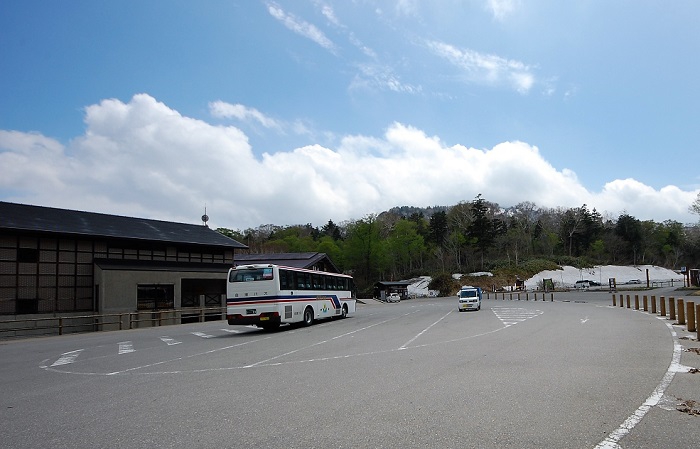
(629, 229)
(364, 251)
(482, 230)
(405, 247)
(438, 229)
(332, 230)
(695, 206)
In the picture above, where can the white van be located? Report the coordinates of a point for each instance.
(469, 298)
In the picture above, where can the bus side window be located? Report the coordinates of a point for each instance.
(284, 285)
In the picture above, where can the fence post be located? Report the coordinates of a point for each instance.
(697, 321)
(60, 326)
(681, 311)
(691, 316)
(672, 308)
(653, 304)
(662, 305)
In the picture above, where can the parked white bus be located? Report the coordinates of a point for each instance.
(269, 295)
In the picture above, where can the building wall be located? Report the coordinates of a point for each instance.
(46, 274)
(118, 289)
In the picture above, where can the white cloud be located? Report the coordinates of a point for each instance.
(502, 8)
(144, 159)
(486, 69)
(222, 109)
(301, 27)
(377, 76)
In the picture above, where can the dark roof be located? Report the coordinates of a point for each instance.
(295, 260)
(394, 283)
(22, 217)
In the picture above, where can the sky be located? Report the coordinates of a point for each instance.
(293, 112)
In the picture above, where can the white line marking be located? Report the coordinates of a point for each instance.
(184, 357)
(231, 331)
(423, 331)
(126, 347)
(202, 334)
(67, 357)
(170, 341)
(583, 321)
(266, 361)
(612, 440)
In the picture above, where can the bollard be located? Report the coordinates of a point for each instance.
(662, 305)
(653, 304)
(519, 296)
(552, 297)
(646, 304)
(60, 325)
(697, 321)
(614, 303)
(672, 308)
(628, 301)
(691, 316)
(636, 302)
(681, 311)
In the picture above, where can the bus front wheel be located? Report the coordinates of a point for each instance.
(308, 316)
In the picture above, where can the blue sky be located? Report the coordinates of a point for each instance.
(293, 112)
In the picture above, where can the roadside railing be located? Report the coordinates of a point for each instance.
(688, 311)
(60, 325)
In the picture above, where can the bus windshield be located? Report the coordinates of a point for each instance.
(251, 274)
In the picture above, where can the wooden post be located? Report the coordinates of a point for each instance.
(691, 316)
(681, 311)
(672, 308)
(662, 304)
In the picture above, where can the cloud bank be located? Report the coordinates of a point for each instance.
(145, 159)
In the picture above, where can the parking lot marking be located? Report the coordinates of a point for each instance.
(126, 347)
(170, 341)
(202, 334)
(510, 316)
(67, 358)
(423, 331)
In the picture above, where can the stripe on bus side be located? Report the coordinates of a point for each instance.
(335, 301)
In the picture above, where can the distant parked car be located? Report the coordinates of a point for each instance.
(582, 284)
(393, 297)
(634, 281)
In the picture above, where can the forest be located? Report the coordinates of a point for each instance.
(479, 235)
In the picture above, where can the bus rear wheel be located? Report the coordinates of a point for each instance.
(308, 316)
(345, 311)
